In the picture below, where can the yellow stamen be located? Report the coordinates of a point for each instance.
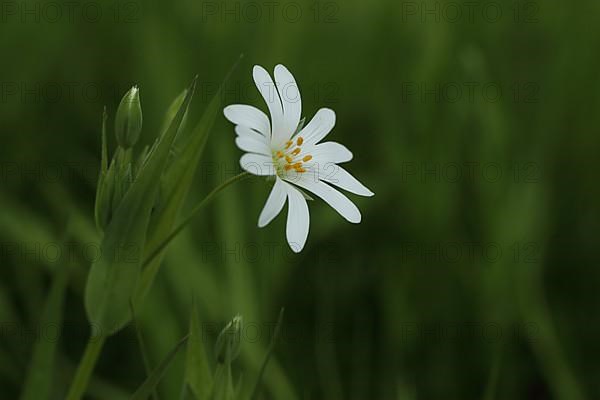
(288, 159)
(288, 144)
(279, 154)
(300, 141)
(307, 158)
(297, 165)
(287, 167)
(300, 170)
(296, 151)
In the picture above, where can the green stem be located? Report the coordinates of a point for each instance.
(191, 216)
(86, 367)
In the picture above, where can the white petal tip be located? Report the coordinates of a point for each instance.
(257, 69)
(296, 248)
(227, 111)
(262, 221)
(329, 111)
(355, 219)
(280, 66)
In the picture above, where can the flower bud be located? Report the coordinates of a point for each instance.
(228, 345)
(128, 121)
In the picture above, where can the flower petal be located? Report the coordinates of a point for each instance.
(331, 196)
(330, 152)
(274, 204)
(252, 145)
(257, 164)
(298, 219)
(291, 101)
(342, 179)
(245, 131)
(252, 141)
(248, 116)
(268, 90)
(318, 127)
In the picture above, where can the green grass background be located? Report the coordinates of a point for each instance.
(384, 309)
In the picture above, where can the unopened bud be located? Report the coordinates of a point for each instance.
(128, 121)
(228, 345)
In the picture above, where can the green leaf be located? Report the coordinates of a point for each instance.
(175, 186)
(113, 277)
(102, 203)
(149, 385)
(197, 370)
(38, 383)
(172, 110)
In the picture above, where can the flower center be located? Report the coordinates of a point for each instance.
(289, 158)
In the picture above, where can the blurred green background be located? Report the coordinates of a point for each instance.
(472, 274)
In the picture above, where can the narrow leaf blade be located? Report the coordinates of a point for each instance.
(197, 370)
(149, 385)
(38, 383)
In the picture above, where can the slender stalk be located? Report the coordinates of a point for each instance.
(86, 367)
(191, 216)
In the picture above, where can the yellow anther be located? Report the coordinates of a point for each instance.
(279, 154)
(296, 151)
(288, 144)
(297, 165)
(288, 159)
(287, 167)
(300, 170)
(300, 141)
(307, 158)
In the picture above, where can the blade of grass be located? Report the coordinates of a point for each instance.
(86, 366)
(38, 383)
(149, 385)
(142, 344)
(197, 371)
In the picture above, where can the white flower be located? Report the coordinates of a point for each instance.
(293, 155)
